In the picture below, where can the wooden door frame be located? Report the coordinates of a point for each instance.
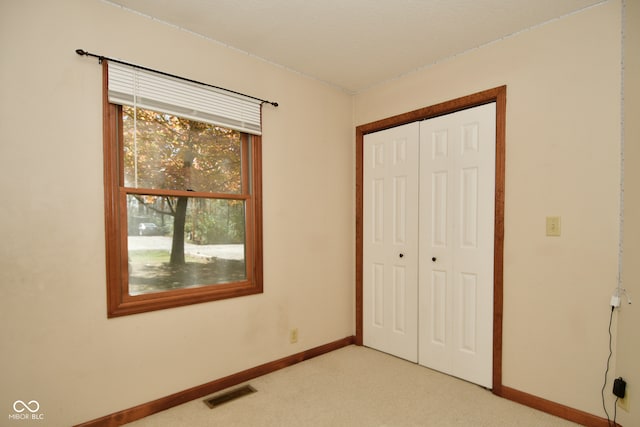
(499, 96)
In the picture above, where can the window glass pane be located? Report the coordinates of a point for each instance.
(162, 151)
(180, 242)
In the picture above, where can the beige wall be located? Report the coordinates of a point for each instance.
(629, 316)
(563, 146)
(562, 158)
(57, 345)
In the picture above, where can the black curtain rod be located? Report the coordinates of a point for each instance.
(102, 58)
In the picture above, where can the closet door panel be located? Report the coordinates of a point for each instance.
(456, 243)
(390, 243)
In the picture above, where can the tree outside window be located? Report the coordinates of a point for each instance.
(183, 200)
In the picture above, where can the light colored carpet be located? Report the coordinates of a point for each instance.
(357, 386)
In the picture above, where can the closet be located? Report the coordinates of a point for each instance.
(428, 242)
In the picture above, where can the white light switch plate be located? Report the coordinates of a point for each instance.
(553, 226)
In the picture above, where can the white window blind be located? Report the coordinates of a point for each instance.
(158, 92)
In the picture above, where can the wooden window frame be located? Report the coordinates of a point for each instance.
(119, 301)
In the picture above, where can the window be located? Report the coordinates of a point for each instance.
(182, 201)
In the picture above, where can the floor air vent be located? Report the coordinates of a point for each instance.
(229, 396)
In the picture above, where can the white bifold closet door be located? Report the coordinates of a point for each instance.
(390, 241)
(428, 233)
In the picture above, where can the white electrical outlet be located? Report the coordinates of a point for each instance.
(293, 336)
(615, 301)
(624, 403)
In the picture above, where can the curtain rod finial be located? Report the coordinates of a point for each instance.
(81, 52)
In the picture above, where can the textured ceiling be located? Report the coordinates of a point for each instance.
(355, 44)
